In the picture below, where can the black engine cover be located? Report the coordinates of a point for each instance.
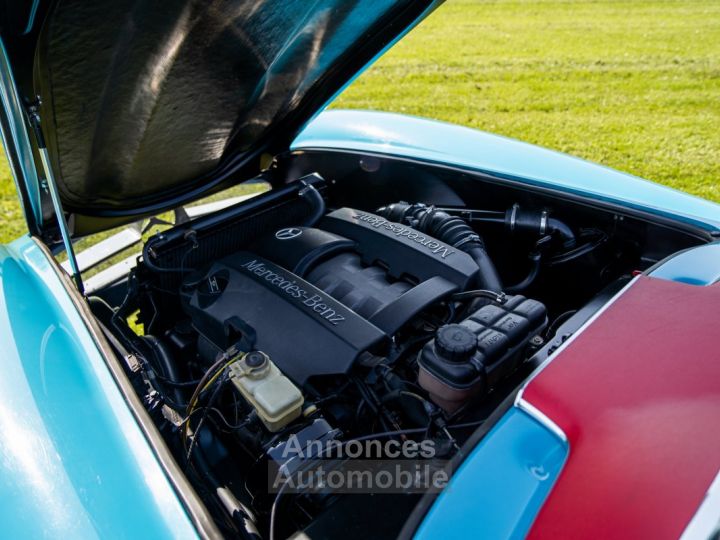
(384, 271)
(315, 298)
(304, 330)
(404, 251)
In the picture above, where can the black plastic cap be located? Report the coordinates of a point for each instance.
(455, 343)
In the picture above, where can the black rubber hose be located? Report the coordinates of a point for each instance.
(166, 364)
(488, 276)
(538, 222)
(450, 229)
(532, 274)
(317, 204)
(557, 227)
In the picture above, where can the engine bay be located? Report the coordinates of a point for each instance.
(291, 317)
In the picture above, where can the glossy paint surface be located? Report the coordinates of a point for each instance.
(696, 266)
(72, 454)
(500, 487)
(439, 142)
(73, 461)
(638, 395)
(471, 512)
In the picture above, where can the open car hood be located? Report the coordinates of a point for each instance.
(145, 105)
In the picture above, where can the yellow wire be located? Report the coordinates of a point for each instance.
(208, 384)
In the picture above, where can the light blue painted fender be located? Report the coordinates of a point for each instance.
(500, 487)
(439, 142)
(74, 462)
(695, 266)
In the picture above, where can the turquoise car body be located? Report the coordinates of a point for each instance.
(502, 158)
(74, 458)
(74, 462)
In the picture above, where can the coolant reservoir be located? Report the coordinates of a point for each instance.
(275, 398)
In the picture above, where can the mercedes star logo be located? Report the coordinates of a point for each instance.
(287, 234)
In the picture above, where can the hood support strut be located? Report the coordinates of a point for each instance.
(34, 119)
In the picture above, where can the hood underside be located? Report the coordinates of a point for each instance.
(146, 104)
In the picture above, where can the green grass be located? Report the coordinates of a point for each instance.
(11, 216)
(632, 85)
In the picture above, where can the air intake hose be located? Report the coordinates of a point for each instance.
(316, 202)
(450, 229)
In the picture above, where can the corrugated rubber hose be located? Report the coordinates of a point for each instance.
(450, 229)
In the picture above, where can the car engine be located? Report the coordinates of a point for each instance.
(319, 300)
(282, 318)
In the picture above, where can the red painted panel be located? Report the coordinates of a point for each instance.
(638, 395)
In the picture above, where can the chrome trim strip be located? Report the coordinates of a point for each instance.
(542, 418)
(705, 524)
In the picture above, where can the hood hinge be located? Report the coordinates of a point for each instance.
(33, 112)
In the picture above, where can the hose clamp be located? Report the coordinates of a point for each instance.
(543, 222)
(467, 239)
(513, 216)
